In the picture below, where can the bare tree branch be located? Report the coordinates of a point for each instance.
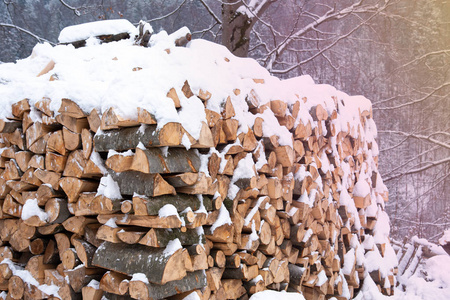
(74, 9)
(169, 14)
(418, 136)
(210, 11)
(329, 15)
(428, 165)
(40, 39)
(427, 96)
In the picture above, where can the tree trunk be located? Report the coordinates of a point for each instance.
(237, 25)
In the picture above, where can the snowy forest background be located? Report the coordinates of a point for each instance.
(394, 52)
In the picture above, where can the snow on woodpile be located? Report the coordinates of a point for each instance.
(216, 177)
(94, 29)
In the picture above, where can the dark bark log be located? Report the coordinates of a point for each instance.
(151, 206)
(143, 184)
(192, 281)
(159, 267)
(176, 160)
(157, 237)
(128, 138)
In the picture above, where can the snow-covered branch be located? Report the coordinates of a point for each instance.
(422, 99)
(428, 165)
(211, 12)
(40, 39)
(169, 14)
(428, 138)
(331, 14)
(75, 10)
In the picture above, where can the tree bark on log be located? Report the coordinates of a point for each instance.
(131, 182)
(151, 206)
(129, 138)
(156, 237)
(158, 267)
(192, 281)
(143, 221)
(176, 160)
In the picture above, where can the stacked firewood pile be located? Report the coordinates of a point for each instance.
(95, 204)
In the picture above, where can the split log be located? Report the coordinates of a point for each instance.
(108, 234)
(161, 237)
(18, 108)
(143, 221)
(22, 159)
(144, 117)
(151, 206)
(40, 145)
(181, 180)
(71, 123)
(131, 235)
(55, 162)
(16, 287)
(35, 132)
(159, 267)
(36, 266)
(172, 94)
(75, 164)
(174, 160)
(91, 292)
(192, 281)
(51, 255)
(110, 282)
(72, 140)
(129, 138)
(130, 183)
(70, 108)
(120, 162)
(7, 126)
(77, 224)
(55, 142)
(85, 251)
(204, 185)
(48, 177)
(112, 120)
(81, 276)
(73, 186)
(233, 288)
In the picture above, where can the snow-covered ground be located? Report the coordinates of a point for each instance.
(430, 282)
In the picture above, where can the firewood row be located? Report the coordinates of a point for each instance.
(97, 205)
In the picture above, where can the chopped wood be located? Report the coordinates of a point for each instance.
(151, 206)
(145, 117)
(112, 120)
(181, 180)
(111, 281)
(192, 281)
(73, 186)
(72, 140)
(141, 259)
(174, 160)
(70, 108)
(156, 237)
(130, 183)
(144, 221)
(129, 138)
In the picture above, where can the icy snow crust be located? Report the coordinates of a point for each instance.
(124, 76)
